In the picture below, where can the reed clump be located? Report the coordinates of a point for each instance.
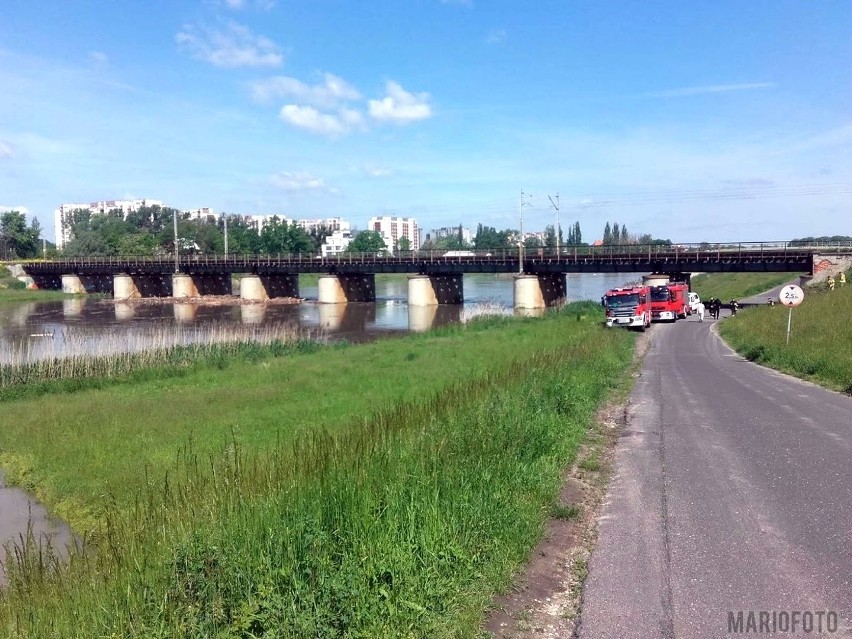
(402, 524)
(29, 368)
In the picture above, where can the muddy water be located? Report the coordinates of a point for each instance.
(22, 517)
(39, 330)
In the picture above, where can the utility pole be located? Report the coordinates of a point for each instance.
(556, 206)
(521, 238)
(225, 217)
(177, 263)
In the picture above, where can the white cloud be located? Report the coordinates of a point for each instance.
(5, 150)
(238, 5)
(19, 209)
(377, 171)
(400, 106)
(98, 57)
(331, 124)
(711, 88)
(233, 46)
(496, 36)
(298, 181)
(330, 92)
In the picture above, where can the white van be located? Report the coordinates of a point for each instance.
(694, 301)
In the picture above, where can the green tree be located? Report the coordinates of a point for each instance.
(367, 242)
(487, 237)
(550, 236)
(243, 236)
(318, 235)
(607, 234)
(403, 244)
(17, 240)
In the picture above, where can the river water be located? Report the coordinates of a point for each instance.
(38, 330)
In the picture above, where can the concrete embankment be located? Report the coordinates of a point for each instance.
(22, 518)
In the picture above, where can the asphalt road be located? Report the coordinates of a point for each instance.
(732, 492)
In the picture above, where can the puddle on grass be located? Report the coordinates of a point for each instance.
(23, 520)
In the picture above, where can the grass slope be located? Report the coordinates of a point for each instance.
(727, 286)
(821, 341)
(79, 450)
(401, 521)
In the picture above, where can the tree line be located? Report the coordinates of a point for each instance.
(150, 231)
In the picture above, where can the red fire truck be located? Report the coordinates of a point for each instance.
(670, 301)
(629, 307)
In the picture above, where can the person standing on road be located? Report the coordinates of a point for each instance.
(734, 306)
(700, 309)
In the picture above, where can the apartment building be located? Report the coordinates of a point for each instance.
(392, 229)
(453, 231)
(336, 243)
(331, 223)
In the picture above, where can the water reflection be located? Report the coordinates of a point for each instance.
(124, 312)
(252, 313)
(425, 318)
(94, 321)
(73, 307)
(185, 312)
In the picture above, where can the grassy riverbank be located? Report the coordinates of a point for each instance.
(820, 345)
(385, 489)
(727, 286)
(13, 290)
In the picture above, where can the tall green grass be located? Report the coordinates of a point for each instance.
(401, 523)
(820, 346)
(726, 286)
(72, 450)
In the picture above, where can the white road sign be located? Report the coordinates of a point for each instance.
(791, 295)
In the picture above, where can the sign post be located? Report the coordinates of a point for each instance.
(790, 296)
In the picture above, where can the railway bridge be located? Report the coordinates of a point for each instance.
(435, 277)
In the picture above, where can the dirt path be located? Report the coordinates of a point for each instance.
(545, 601)
(22, 516)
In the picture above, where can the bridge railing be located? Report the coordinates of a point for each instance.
(627, 252)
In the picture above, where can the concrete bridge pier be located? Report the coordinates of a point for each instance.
(72, 284)
(346, 287)
(259, 288)
(124, 287)
(539, 291)
(430, 290)
(183, 286)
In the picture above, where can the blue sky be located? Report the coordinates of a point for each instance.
(715, 121)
